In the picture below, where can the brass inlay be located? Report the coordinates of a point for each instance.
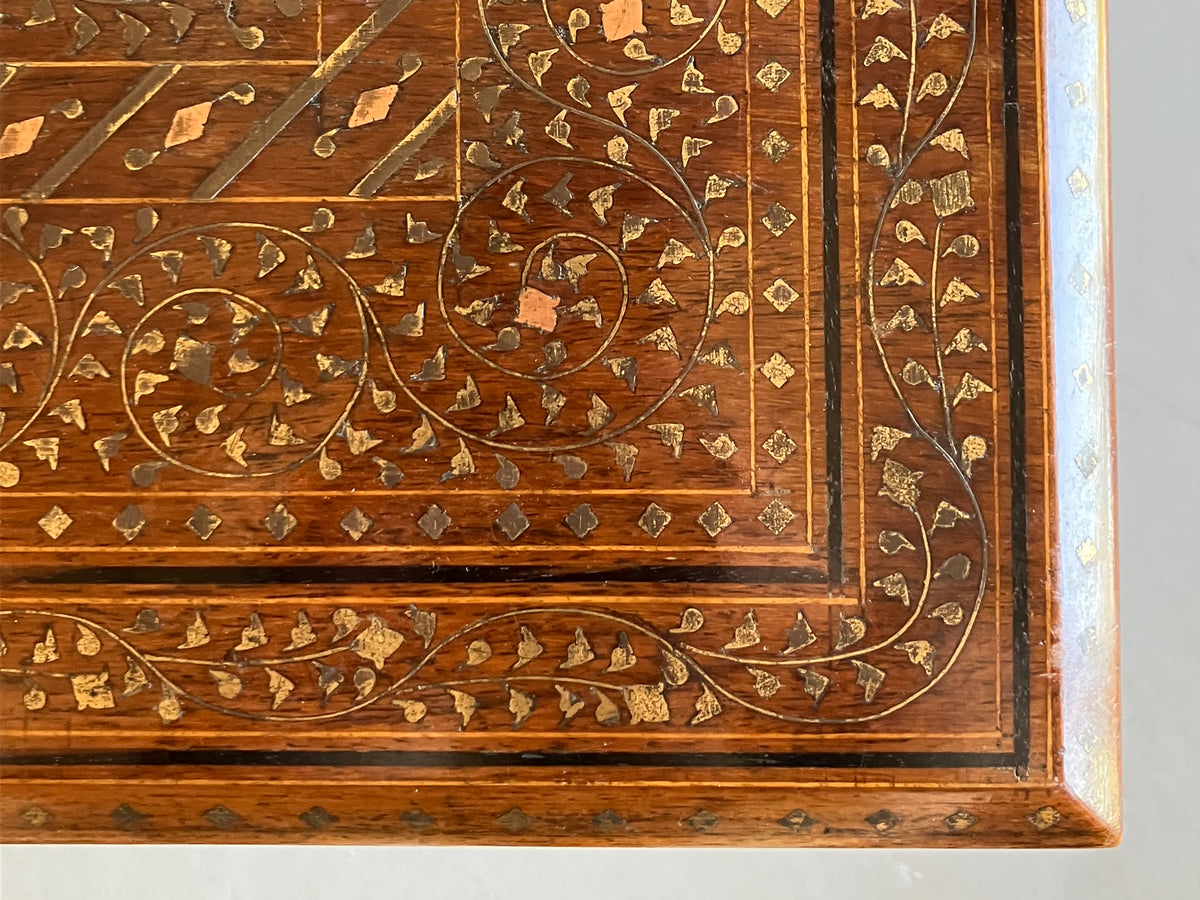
(142, 91)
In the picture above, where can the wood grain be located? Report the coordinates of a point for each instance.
(535, 423)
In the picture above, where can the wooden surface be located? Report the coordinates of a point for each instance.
(533, 422)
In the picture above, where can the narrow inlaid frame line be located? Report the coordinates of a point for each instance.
(475, 599)
(500, 735)
(153, 63)
(249, 199)
(688, 784)
(989, 116)
(753, 371)
(1047, 437)
(806, 225)
(458, 141)
(648, 494)
(379, 548)
(858, 299)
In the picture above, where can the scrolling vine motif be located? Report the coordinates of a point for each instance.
(929, 603)
(900, 324)
(363, 660)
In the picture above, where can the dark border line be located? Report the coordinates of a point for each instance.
(402, 575)
(465, 759)
(1016, 372)
(1018, 759)
(831, 257)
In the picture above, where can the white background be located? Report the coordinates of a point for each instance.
(1156, 154)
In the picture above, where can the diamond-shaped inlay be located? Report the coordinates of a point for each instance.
(778, 219)
(797, 821)
(1087, 551)
(223, 817)
(36, 817)
(1083, 377)
(714, 520)
(512, 522)
(435, 521)
(55, 522)
(1045, 818)
(514, 820)
(776, 517)
(780, 446)
(356, 523)
(417, 818)
(608, 820)
(280, 522)
(781, 295)
(960, 821)
(778, 370)
(773, 7)
(126, 817)
(1087, 461)
(582, 520)
(773, 74)
(654, 520)
(1081, 280)
(318, 818)
(1078, 182)
(702, 821)
(775, 146)
(884, 820)
(129, 522)
(204, 522)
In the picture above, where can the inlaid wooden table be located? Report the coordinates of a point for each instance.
(556, 421)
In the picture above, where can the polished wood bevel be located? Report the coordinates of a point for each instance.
(631, 422)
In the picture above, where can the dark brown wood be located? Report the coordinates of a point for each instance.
(610, 423)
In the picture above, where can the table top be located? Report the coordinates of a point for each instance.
(556, 422)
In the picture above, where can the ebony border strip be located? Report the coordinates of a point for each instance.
(218, 576)
(832, 263)
(1018, 758)
(1015, 311)
(407, 759)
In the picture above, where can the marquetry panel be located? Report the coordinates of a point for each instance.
(391, 384)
